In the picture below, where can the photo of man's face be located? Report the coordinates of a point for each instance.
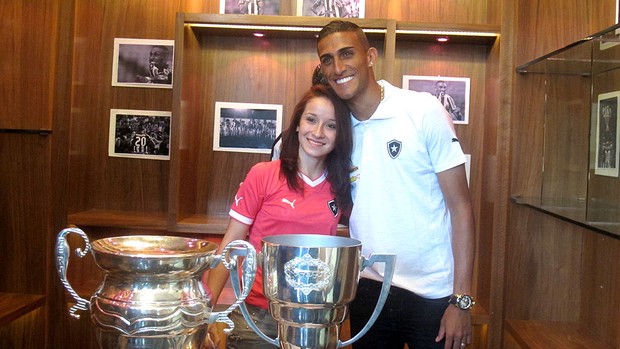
(143, 63)
(159, 57)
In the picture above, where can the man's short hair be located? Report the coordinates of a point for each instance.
(338, 26)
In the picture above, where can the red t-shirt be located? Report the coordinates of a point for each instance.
(265, 202)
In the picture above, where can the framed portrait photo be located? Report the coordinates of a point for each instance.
(607, 131)
(250, 7)
(143, 63)
(246, 127)
(142, 134)
(331, 8)
(452, 92)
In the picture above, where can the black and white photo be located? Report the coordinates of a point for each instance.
(246, 127)
(452, 92)
(143, 134)
(250, 7)
(331, 8)
(607, 131)
(143, 63)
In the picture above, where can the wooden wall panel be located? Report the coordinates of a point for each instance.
(27, 63)
(24, 211)
(548, 259)
(544, 267)
(451, 11)
(601, 286)
(566, 144)
(115, 183)
(544, 26)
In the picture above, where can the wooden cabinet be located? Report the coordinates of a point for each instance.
(218, 58)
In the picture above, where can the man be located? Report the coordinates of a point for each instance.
(447, 101)
(160, 71)
(410, 197)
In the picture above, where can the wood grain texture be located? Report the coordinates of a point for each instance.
(28, 63)
(543, 335)
(566, 143)
(24, 212)
(601, 285)
(544, 267)
(452, 11)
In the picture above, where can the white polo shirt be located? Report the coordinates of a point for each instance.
(398, 204)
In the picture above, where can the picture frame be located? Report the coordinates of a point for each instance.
(455, 97)
(250, 7)
(607, 134)
(140, 134)
(246, 127)
(339, 8)
(143, 63)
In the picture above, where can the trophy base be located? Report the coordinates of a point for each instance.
(115, 340)
(308, 336)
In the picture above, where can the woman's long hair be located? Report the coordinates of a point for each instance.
(338, 161)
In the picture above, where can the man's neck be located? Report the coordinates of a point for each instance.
(364, 105)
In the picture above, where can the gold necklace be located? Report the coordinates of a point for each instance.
(382, 92)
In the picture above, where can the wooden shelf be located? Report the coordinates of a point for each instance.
(532, 334)
(203, 224)
(13, 306)
(119, 219)
(470, 34)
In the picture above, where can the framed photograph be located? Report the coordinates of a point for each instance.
(143, 63)
(607, 131)
(453, 93)
(331, 8)
(142, 134)
(250, 7)
(246, 127)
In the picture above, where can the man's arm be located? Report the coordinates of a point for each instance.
(456, 323)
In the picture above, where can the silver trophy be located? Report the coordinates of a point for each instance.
(151, 295)
(309, 280)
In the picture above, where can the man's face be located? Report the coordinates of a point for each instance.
(345, 63)
(158, 57)
(441, 87)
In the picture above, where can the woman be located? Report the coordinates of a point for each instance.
(306, 191)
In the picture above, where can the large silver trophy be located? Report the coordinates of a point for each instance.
(151, 295)
(309, 280)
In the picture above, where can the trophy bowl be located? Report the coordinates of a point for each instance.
(151, 295)
(309, 281)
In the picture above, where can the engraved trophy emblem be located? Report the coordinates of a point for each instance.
(151, 295)
(309, 280)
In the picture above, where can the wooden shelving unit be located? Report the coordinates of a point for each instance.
(14, 306)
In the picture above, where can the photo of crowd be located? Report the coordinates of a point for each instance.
(246, 129)
(137, 135)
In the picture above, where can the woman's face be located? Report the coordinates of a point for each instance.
(317, 129)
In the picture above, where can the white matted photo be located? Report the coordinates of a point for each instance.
(246, 127)
(250, 7)
(467, 167)
(331, 8)
(142, 63)
(452, 92)
(142, 134)
(607, 131)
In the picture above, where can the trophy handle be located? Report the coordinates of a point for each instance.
(251, 324)
(389, 260)
(228, 258)
(248, 317)
(62, 261)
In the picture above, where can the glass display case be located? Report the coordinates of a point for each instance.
(580, 106)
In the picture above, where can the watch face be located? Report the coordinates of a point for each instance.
(464, 302)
